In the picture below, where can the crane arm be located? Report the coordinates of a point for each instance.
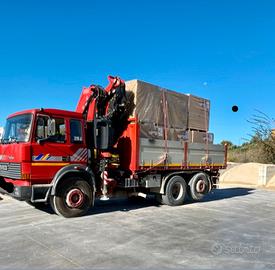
(94, 100)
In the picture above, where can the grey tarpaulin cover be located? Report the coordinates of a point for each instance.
(198, 109)
(149, 107)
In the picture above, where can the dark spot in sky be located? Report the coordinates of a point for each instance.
(235, 108)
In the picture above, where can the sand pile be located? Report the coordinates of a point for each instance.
(249, 174)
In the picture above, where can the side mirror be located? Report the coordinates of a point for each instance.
(51, 127)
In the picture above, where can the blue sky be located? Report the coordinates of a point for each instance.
(221, 50)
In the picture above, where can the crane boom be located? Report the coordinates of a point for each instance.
(94, 100)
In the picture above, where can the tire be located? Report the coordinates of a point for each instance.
(73, 198)
(199, 186)
(175, 192)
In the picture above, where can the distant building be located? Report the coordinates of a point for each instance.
(1, 132)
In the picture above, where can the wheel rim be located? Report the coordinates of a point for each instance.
(200, 186)
(75, 198)
(177, 191)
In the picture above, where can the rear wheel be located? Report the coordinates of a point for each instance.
(74, 197)
(199, 186)
(175, 192)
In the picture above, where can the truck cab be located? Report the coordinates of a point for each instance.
(36, 145)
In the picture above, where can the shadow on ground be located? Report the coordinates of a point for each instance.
(126, 205)
(227, 193)
(112, 205)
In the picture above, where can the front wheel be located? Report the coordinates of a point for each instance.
(74, 197)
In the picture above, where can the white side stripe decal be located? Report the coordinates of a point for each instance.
(80, 155)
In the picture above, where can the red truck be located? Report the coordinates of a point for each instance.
(70, 158)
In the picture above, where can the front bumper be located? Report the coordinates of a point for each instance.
(34, 193)
(21, 193)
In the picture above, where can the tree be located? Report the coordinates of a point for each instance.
(229, 143)
(263, 137)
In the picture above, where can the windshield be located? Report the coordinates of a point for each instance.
(18, 128)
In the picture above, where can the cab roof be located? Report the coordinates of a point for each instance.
(49, 112)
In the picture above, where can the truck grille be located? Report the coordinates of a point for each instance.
(10, 170)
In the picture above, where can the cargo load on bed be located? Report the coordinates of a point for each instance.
(160, 109)
(173, 128)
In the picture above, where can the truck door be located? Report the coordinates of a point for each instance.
(52, 152)
(78, 147)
